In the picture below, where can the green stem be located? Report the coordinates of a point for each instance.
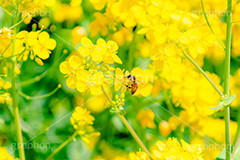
(38, 78)
(235, 21)
(204, 13)
(227, 79)
(61, 146)
(168, 102)
(202, 72)
(128, 126)
(134, 134)
(39, 97)
(18, 22)
(15, 106)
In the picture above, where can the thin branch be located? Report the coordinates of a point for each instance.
(204, 13)
(39, 97)
(128, 126)
(201, 71)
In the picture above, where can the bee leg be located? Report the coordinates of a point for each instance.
(128, 86)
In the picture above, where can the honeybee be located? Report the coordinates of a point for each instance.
(133, 83)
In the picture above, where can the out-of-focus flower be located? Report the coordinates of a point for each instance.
(173, 150)
(75, 3)
(66, 12)
(5, 85)
(197, 41)
(139, 156)
(98, 103)
(122, 35)
(146, 118)
(215, 129)
(164, 128)
(6, 33)
(5, 98)
(98, 4)
(82, 122)
(78, 33)
(44, 22)
(235, 88)
(5, 155)
(102, 23)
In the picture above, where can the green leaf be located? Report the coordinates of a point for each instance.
(237, 154)
(220, 105)
(222, 154)
(229, 100)
(225, 102)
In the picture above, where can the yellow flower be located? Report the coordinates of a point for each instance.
(197, 41)
(87, 80)
(5, 98)
(5, 155)
(75, 3)
(66, 12)
(36, 44)
(139, 156)
(109, 50)
(77, 34)
(164, 128)
(145, 79)
(99, 25)
(235, 88)
(5, 85)
(45, 44)
(98, 4)
(120, 80)
(6, 33)
(70, 68)
(173, 150)
(89, 49)
(146, 118)
(214, 128)
(82, 122)
(122, 35)
(98, 103)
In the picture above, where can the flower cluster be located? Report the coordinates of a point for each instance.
(6, 33)
(82, 122)
(139, 156)
(88, 70)
(37, 45)
(172, 149)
